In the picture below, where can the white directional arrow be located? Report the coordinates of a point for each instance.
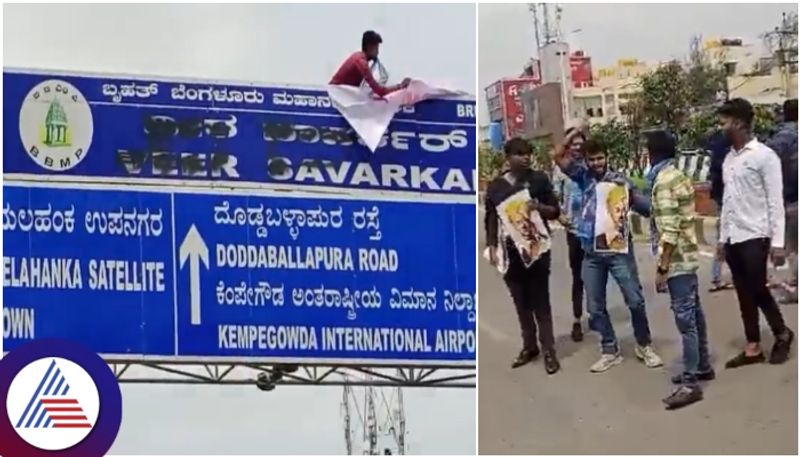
(194, 249)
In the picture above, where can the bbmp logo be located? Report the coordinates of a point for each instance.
(56, 125)
(53, 404)
(61, 399)
(55, 131)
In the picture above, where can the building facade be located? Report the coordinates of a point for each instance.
(504, 103)
(611, 89)
(752, 71)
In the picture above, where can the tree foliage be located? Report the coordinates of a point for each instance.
(765, 122)
(490, 162)
(681, 97)
(697, 129)
(675, 96)
(706, 79)
(542, 158)
(618, 140)
(664, 96)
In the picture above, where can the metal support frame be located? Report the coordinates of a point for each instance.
(144, 372)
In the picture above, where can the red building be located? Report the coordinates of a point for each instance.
(503, 96)
(505, 105)
(581, 70)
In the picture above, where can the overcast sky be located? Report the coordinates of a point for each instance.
(300, 44)
(645, 31)
(267, 43)
(242, 420)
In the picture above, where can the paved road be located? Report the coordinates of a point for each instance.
(751, 410)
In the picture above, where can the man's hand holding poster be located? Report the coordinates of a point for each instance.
(525, 226)
(611, 218)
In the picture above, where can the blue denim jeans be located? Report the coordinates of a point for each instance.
(691, 323)
(716, 271)
(622, 267)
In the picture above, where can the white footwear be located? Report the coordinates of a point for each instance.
(606, 361)
(648, 355)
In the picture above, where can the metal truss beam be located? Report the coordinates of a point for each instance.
(268, 377)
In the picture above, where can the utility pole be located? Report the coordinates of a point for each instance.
(401, 419)
(546, 13)
(546, 29)
(380, 421)
(348, 436)
(551, 33)
(371, 428)
(782, 42)
(536, 27)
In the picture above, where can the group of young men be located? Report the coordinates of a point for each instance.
(752, 223)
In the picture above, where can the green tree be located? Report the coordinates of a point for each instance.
(490, 162)
(665, 96)
(764, 122)
(636, 122)
(702, 123)
(681, 97)
(542, 158)
(618, 140)
(706, 78)
(697, 129)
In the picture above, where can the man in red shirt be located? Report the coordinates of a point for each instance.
(355, 69)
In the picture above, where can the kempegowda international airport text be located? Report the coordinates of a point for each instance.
(271, 337)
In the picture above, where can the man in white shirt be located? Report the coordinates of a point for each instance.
(752, 230)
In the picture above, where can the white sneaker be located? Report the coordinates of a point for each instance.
(606, 361)
(648, 355)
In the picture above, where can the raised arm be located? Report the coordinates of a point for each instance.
(571, 166)
(561, 154)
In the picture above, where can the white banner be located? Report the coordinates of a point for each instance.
(370, 116)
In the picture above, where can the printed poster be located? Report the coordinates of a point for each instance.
(525, 227)
(611, 218)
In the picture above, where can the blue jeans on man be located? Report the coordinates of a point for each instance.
(716, 272)
(691, 323)
(622, 267)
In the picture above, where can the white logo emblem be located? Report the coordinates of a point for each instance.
(53, 404)
(55, 125)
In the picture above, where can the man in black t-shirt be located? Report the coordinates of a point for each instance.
(529, 286)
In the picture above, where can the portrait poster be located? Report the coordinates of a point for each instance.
(525, 227)
(611, 228)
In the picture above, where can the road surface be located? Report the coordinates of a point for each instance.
(750, 410)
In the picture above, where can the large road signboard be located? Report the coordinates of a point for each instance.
(195, 221)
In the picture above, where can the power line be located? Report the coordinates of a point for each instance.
(381, 423)
(782, 43)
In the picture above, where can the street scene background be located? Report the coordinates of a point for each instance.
(294, 45)
(621, 68)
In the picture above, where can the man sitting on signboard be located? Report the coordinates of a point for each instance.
(356, 70)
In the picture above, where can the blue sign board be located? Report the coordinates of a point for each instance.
(231, 134)
(177, 266)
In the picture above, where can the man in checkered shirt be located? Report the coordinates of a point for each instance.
(674, 243)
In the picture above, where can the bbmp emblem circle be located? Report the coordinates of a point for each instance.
(56, 125)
